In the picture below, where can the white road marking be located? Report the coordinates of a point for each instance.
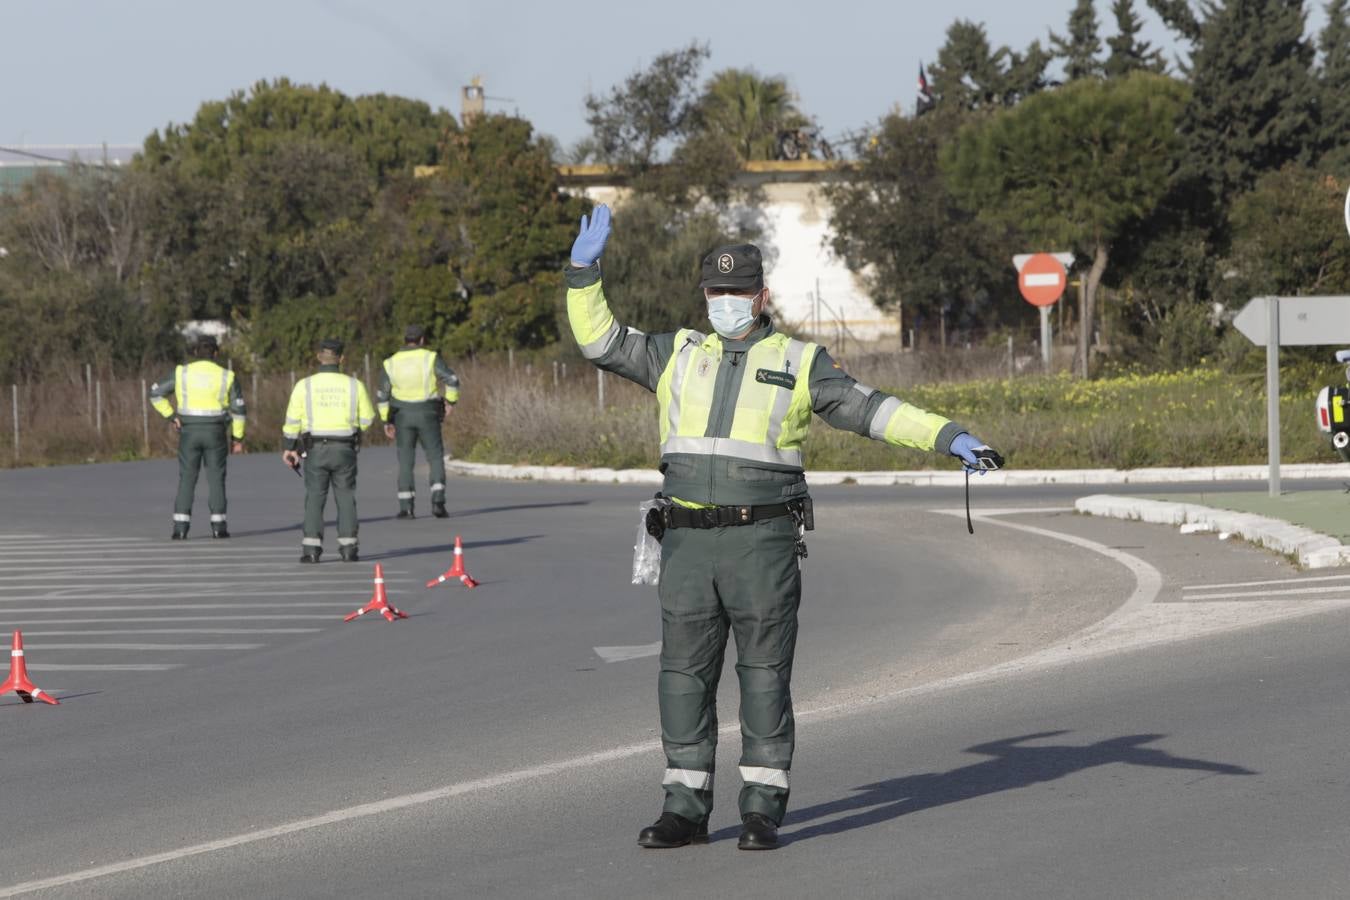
(46, 610)
(101, 646)
(1265, 595)
(24, 623)
(108, 667)
(620, 654)
(179, 572)
(35, 594)
(94, 632)
(1277, 581)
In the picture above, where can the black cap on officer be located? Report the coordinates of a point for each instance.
(205, 343)
(413, 333)
(333, 344)
(737, 266)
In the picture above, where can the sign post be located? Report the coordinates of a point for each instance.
(1041, 278)
(1292, 322)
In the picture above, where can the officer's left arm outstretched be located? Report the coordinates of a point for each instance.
(603, 340)
(850, 405)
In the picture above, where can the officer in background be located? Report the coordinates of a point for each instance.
(734, 408)
(410, 385)
(325, 418)
(209, 402)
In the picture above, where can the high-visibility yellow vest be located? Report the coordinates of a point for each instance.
(328, 404)
(412, 375)
(772, 408)
(202, 388)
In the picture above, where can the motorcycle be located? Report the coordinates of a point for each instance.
(1333, 411)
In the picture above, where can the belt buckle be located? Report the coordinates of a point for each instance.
(744, 513)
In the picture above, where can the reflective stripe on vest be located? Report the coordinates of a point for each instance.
(770, 420)
(412, 375)
(336, 407)
(201, 391)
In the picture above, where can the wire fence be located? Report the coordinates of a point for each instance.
(510, 404)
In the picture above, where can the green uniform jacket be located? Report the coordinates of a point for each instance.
(836, 397)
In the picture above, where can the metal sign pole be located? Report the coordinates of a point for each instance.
(1045, 338)
(1273, 392)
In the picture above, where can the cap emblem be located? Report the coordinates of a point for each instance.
(725, 263)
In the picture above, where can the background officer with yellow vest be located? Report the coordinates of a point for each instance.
(209, 402)
(734, 408)
(325, 418)
(410, 386)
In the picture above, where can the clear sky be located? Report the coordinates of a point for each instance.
(90, 72)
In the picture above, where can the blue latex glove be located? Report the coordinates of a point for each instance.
(590, 242)
(964, 447)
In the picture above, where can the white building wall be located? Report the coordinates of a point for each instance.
(813, 292)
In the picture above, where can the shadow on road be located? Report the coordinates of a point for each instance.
(446, 548)
(1011, 767)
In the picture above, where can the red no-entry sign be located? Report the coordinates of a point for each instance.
(1042, 279)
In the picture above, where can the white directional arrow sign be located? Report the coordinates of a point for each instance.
(1304, 321)
(1291, 322)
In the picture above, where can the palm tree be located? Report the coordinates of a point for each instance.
(750, 111)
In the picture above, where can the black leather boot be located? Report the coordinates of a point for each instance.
(310, 554)
(348, 553)
(218, 530)
(180, 530)
(673, 830)
(438, 510)
(405, 512)
(758, 832)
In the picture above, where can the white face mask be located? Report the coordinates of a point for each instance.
(731, 315)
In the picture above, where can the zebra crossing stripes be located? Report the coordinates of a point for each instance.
(1312, 588)
(110, 604)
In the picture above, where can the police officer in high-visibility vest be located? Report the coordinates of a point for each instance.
(324, 420)
(734, 408)
(210, 425)
(410, 387)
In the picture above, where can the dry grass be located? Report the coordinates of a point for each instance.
(542, 415)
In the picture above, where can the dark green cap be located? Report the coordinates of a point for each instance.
(736, 266)
(333, 344)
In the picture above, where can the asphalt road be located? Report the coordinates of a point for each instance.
(1055, 707)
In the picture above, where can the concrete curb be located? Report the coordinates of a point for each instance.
(1313, 550)
(1011, 477)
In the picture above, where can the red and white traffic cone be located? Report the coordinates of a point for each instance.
(18, 680)
(455, 571)
(379, 602)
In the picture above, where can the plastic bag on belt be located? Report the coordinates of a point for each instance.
(646, 548)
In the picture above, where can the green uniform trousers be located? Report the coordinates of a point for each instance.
(413, 424)
(200, 442)
(747, 579)
(330, 463)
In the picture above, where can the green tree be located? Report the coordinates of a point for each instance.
(1288, 237)
(1018, 168)
(654, 108)
(750, 111)
(1080, 47)
(970, 74)
(897, 223)
(1333, 79)
(1253, 105)
(1127, 52)
(386, 133)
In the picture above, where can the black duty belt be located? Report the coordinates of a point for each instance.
(723, 516)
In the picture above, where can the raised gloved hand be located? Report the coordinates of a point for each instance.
(975, 454)
(590, 242)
